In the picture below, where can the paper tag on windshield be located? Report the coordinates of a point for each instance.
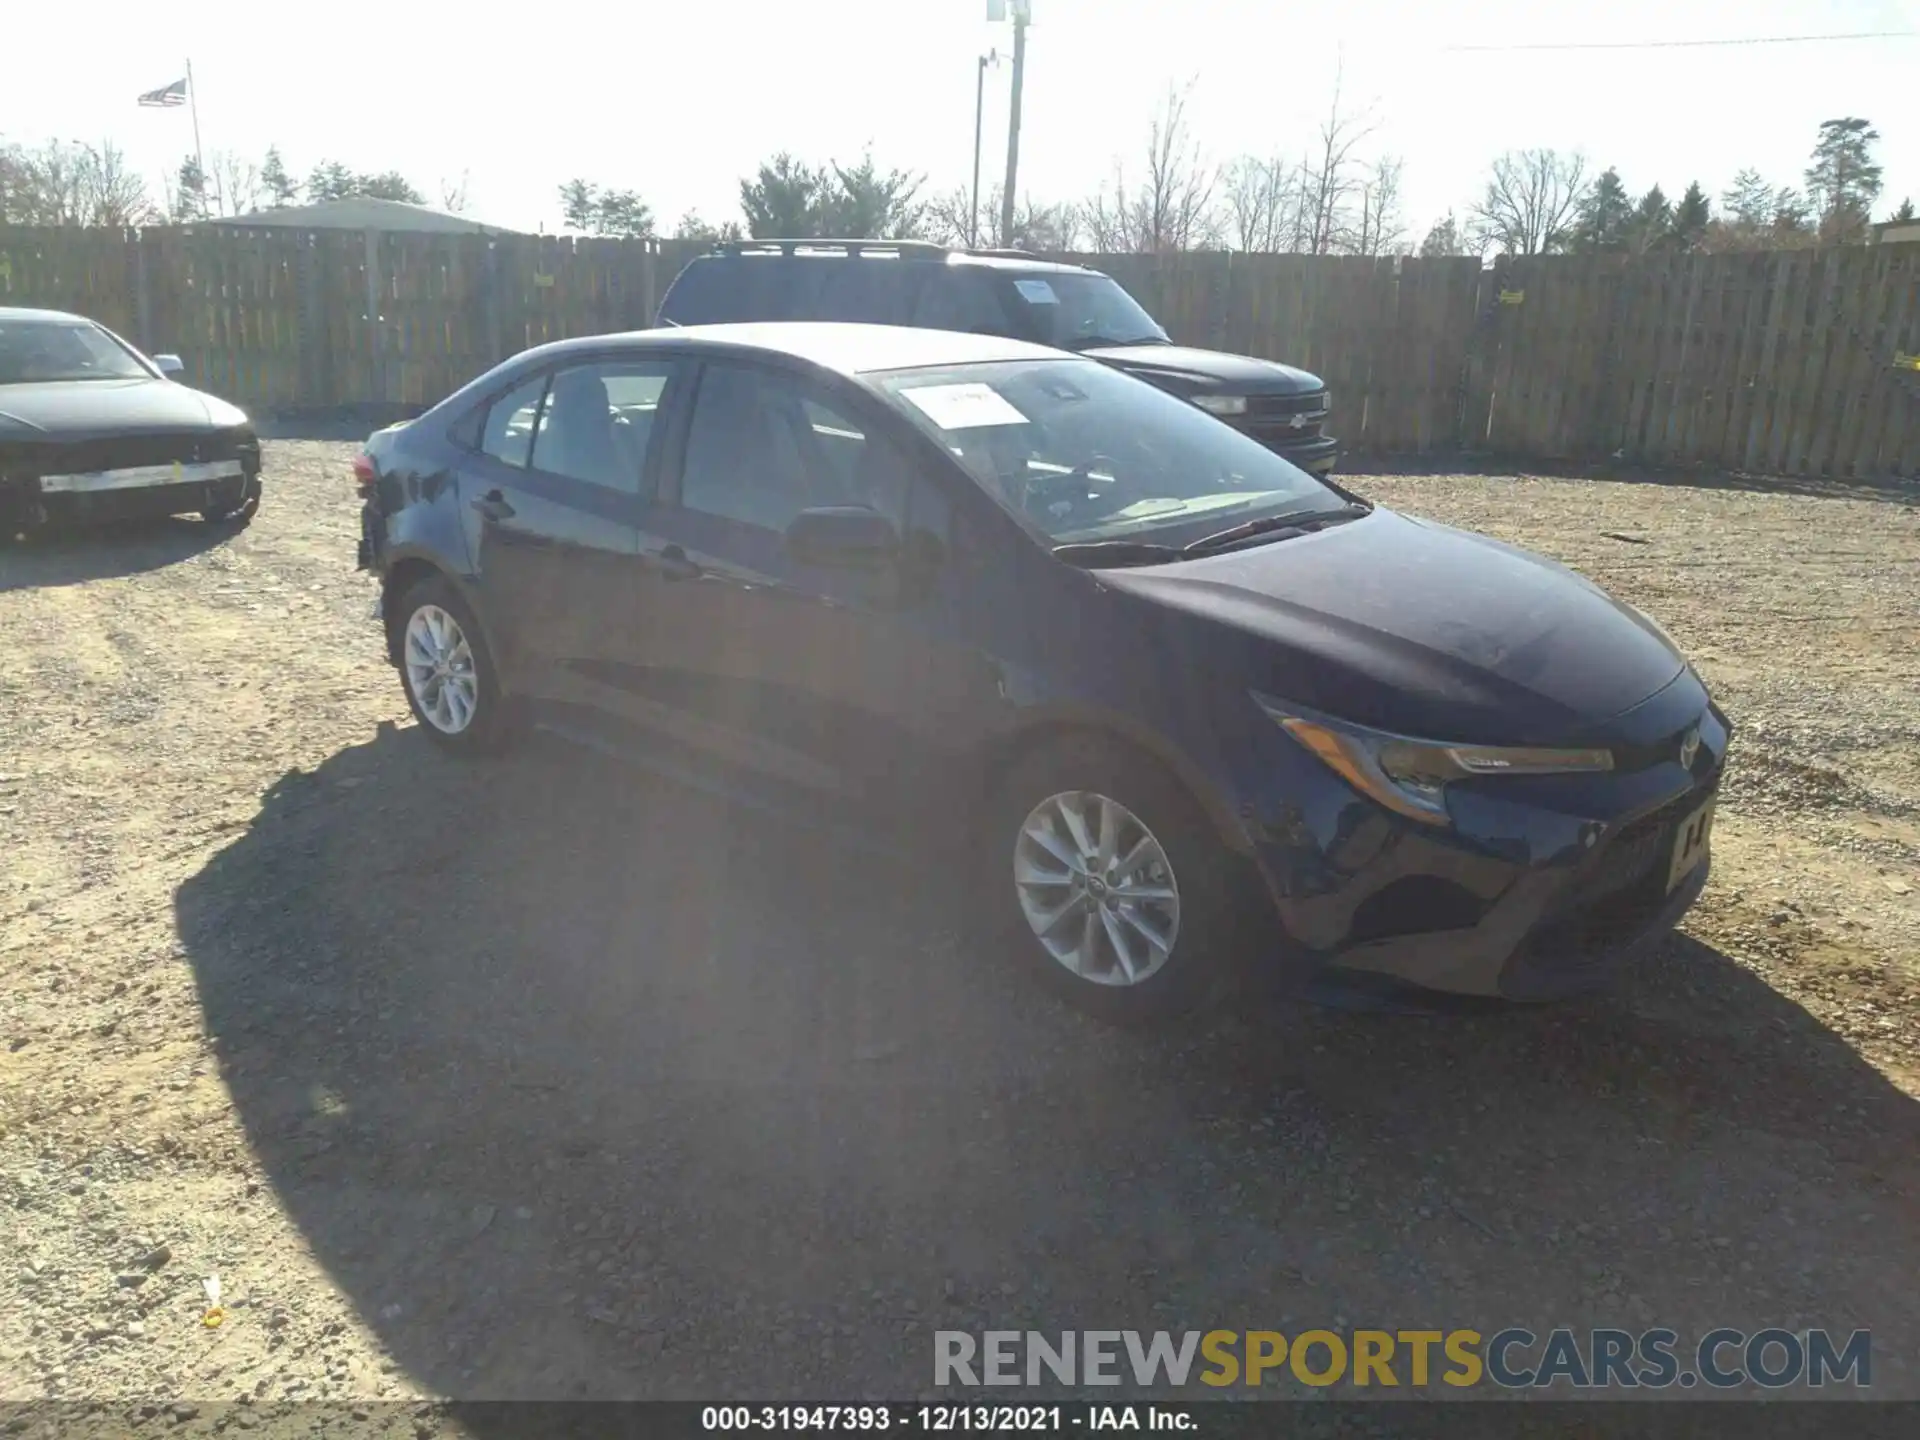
(964, 407)
(1036, 292)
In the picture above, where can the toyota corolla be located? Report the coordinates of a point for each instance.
(1180, 705)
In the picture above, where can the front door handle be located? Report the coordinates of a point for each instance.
(675, 565)
(493, 506)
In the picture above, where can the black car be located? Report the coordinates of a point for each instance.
(1151, 679)
(91, 429)
(1001, 292)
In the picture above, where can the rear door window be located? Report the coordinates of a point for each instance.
(507, 434)
(957, 299)
(870, 290)
(746, 289)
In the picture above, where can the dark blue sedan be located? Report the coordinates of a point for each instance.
(1180, 705)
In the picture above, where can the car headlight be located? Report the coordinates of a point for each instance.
(1410, 776)
(1222, 404)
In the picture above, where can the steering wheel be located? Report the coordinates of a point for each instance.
(1059, 495)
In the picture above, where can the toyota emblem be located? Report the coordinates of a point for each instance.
(1689, 747)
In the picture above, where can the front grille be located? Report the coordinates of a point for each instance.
(1622, 888)
(1270, 418)
(125, 452)
(1264, 405)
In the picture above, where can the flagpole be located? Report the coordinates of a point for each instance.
(193, 108)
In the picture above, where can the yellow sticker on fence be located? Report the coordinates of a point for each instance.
(543, 282)
(1512, 297)
(1906, 362)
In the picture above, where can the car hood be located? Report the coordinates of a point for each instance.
(85, 409)
(1417, 628)
(1242, 374)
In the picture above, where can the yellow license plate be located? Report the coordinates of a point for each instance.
(1690, 843)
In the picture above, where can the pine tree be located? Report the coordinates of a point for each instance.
(190, 193)
(1691, 217)
(623, 213)
(1605, 217)
(330, 180)
(1905, 213)
(784, 200)
(1651, 226)
(862, 203)
(1843, 179)
(281, 188)
(1749, 200)
(389, 185)
(579, 202)
(1443, 239)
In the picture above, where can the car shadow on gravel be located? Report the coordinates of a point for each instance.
(74, 556)
(579, 1084)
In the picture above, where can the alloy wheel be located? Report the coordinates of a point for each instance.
(440, 670)
(1096, 888)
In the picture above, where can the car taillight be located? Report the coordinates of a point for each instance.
(363, 471)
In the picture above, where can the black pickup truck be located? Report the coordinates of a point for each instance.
(1001, 292)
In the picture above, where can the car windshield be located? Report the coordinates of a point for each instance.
(1072, 311)
(1083, 452)
(37, 351)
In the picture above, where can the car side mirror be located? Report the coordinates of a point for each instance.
(171, 366)
(848, 537)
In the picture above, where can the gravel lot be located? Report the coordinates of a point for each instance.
(546, 1078)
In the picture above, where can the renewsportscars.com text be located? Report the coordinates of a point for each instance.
(1513, 1358)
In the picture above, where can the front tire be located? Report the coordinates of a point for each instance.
(1104, 875)
(447, 670)
(236, 515)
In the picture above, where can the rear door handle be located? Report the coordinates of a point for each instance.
(493, 506)
(675, 565)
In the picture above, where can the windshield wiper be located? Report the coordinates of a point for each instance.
(1273, 527)
(1094, 554)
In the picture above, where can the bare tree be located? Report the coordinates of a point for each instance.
(1172, 207)
(1105, 219)
(1381, 228)
(453, 194)
(1530, 202)
(1175, 210)
(113, 194)
(1036, 226)
(1261, 201)
(236, 183)
(1331, 177)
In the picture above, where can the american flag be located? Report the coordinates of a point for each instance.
(167, 96)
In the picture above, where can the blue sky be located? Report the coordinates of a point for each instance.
(677, 100)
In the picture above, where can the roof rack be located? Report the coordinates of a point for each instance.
(921, 248)
(1005, 254)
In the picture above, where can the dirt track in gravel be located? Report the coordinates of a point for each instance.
(546, 1079)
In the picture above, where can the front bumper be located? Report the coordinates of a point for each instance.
(1316, 456)
(24, 504)
(1539, 891)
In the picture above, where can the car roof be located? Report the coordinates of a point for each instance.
(1018, 262)
(16, 312)
(841, 346)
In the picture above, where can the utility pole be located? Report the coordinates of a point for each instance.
(1022, 12)
(992, 57)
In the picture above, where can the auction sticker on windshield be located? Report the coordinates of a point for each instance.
(1036, 292)
(971, 406)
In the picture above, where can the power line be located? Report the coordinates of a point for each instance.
(1691, 44)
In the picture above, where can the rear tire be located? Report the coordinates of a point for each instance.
(447, 671)
(1152, 915)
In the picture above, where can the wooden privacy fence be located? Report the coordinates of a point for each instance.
(1795, 362)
